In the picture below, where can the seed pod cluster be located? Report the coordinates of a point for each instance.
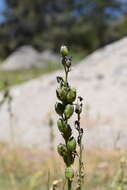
(65, 109)
(66, 95)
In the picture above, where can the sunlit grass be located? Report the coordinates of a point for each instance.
(20, 76)
(36, 169)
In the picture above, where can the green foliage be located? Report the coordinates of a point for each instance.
(20, 76)
(45, 24)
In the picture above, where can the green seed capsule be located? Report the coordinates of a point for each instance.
(71, 96)
(69, 173)
(62, 93)
(59, 108)
(64, 50)
(68, 112)
(62, 150)
(62, 126)
(71, 144)
(68, 133)
(69, 159)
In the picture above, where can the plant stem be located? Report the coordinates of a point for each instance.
(12, 135)
(65, 109)
(66, 81)
(80, 167)
(66, 74)
(69, 184)
(80, 157)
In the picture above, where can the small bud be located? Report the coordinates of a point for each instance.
(62, 150)
(71, 96)
(78, 109)
(59, 108)
(69, 173)
(80, 98)
(64, 50)
(68, 62)
(59, 79)
(68, 112)
(71, 144)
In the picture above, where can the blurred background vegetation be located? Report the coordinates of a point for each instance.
(85, 25)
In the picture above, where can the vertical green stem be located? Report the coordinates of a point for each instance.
(66, 75)
(66, 81)
(69, 184)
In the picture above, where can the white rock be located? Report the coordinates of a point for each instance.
(27, 57)
(101, 79)
(48, 56)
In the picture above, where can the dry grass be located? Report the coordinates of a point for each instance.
(36, 169)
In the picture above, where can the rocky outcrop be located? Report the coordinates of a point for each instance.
(27, 57)
(101, 79)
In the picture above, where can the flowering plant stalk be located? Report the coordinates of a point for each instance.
(65, 108)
